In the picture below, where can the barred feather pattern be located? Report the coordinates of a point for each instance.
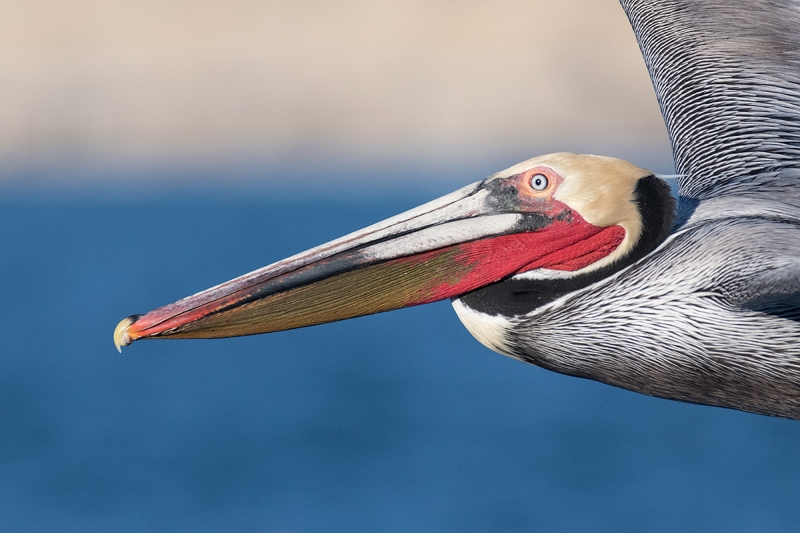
(703, 319)
(727, 78)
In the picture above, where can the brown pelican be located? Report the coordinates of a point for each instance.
(581, 264)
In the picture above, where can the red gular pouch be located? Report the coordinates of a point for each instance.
(568, 243)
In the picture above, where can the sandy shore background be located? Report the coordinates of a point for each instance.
(92, 91)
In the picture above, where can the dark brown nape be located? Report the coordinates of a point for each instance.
(656, 207)
(511, 297)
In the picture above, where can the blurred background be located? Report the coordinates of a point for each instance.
(152, 149)
(96, 92)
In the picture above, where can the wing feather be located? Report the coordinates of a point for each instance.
(727, 78)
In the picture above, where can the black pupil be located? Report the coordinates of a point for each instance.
(538, 181)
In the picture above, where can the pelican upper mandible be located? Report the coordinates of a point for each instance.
(582, 264)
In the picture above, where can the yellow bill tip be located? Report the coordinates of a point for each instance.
(121, 337)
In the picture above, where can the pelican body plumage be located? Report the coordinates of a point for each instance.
(585, 265)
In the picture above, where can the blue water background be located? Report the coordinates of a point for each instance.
(395, 422)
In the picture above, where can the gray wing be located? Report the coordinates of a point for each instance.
(727, 77)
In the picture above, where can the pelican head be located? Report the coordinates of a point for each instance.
(553, 223)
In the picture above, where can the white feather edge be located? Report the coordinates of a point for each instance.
(491, 331)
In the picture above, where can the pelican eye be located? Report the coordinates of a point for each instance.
(538, 182)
